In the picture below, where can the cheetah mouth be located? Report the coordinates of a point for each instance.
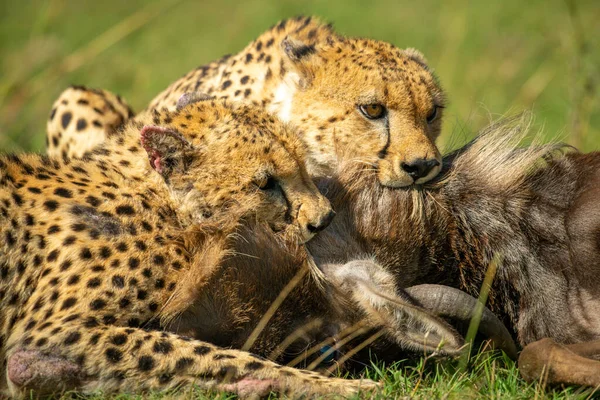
(291, 232)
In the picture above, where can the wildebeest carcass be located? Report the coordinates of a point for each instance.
(533, 208)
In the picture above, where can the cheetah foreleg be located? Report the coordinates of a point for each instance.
(131, 360)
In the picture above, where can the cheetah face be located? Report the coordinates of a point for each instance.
(223, 164)
(368, 102)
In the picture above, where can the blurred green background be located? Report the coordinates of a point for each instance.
(493, 58)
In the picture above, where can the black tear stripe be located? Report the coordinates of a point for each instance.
(383, 152)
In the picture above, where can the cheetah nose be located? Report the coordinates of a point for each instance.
(419, 168)
(322, 223)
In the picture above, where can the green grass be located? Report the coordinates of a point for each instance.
(493, 58)
(489, 376)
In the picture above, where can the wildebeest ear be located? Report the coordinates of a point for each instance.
(190, 98)
(166, 149)
(374, 291)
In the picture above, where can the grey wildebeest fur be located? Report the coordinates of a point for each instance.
(535, 208)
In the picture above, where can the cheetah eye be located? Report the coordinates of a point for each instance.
(432, 115)
(372, 111)
(268, 183)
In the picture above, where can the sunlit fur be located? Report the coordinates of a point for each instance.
(95, 253)
(232, 148)
(303, 72)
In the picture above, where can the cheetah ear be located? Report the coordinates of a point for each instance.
(416, 56)
(295, 50)
(191, 98)
(299, 59)
(166, 149)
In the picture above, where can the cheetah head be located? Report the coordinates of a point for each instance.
(366, 101)
(220, 161)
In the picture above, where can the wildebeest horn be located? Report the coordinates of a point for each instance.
(449, 302)
(406, 323)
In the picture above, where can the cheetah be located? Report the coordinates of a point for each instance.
(112, 112)
(350, 98)
(93, 250)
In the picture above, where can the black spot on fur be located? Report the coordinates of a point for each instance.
(92, 201)
(50, 205)
(202, 350)
(94, 339)
(159, 259)
(124, 302)
(162, 347)
(146, 363)
(10, 238)
(65, 265)
(66, 193)
(119, 339)
(78, 227)
(254, 366)
(183, 363)
(53, 255)
(81, 124)
(91, 322)
(125, 210)
(133, 322)
(29, 220)
(72, 338)
(113, 355)
(69, 240)
(68, 303)
(85, 254)
(134, 263)
(17, 199)
(97, 304)
(66, 119)
(94, 283)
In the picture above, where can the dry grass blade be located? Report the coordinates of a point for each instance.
(355, 350)
(360, 330)
(340, 340)
(273, 308)
(298, 333)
